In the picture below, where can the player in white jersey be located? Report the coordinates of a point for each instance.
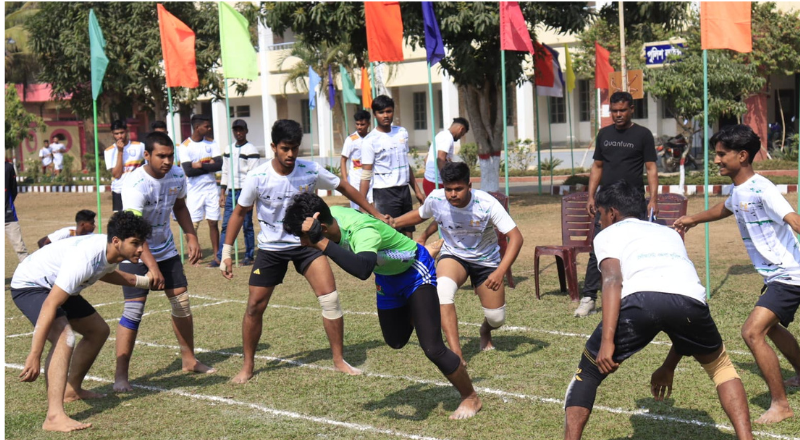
(467, 219)
(351, 154)
(767, 224)
(201, 159)
(47, 287)
(154, 191)
(122, 158)
(84, 225)
(58, 149)
(649, 285)
(270, 188)
(46, 155)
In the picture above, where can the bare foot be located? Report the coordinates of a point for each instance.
(775, 415)
(62, 423)
(243, 376)
(486, 337)
(468, 408)
(346, 368)
(199, 367)
(71, 395)
(122, 385)
(793, 382)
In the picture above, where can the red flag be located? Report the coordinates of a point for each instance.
(514, 33)
(384, 31)
(543, 66)
(366, 90)
(177, 45)
(602, 67)
(726, 25)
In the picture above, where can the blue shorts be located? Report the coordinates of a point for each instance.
(394, 290)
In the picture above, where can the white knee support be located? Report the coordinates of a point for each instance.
(180, 305)
(495, 317)
(330, 305)
(446, 288)
(132, 315)
(70, 338)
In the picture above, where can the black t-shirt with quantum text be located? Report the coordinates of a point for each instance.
(624, 153)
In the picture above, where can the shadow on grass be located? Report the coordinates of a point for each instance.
(415, 402)
(502, 342)
(763, 400)
(354, 354)
(736, 269)
(645, 427)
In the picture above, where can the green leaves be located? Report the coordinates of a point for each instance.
(18, 120)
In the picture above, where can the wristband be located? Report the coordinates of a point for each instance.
(142, 282)
(227, 254)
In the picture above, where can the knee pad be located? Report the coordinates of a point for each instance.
(582, 390)
(330, 305)
(180, 305)
(495, 317)
(132, 315)
(446, 288)
(721, 370)
(70, 337)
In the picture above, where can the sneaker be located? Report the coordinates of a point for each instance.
(585, 308)
(247, 262)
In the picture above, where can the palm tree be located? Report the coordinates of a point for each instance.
(21, 65)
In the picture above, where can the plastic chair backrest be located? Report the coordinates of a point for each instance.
(577, 226)
(500, 198)
(670, 208)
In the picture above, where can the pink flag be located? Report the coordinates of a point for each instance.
(514, 33)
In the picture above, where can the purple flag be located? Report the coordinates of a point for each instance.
(433, 38)
(331, 89)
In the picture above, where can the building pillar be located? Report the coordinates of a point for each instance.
(269, 108)
(324, 124)
(525, 120)
(220, 116)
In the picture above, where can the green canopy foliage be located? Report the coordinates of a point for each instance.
(19, 122)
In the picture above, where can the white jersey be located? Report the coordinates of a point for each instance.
(154, 199)
(62, 233)
(132, 158)
(444, 142)
(46, 155)
(652, 257)
(272, 193)
(73, 265)
(468, 232)
(352, 151)
(759, 210)
(388, 155)
(245, 158)
(204, 151)
(58, 149)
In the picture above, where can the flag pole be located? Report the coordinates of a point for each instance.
(344, 110)
(705, 165)
(311, 129)
(372, 86)
(538, 138)
(97, 168)
(433, 130)
(550, 138)
(505, 117)
(230, 156)
(569, 123)
(330, 159)
(177, 158)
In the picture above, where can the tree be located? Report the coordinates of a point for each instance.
(19, 122)
(21, 65)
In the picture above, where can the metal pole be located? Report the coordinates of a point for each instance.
(538, 138)
(505, 117)
(433, 130)
(177, 157)
(372, 85)
(97, 168)
(569, 122)
(622, 46)
(705, 166)
(550, 138)
(230, 157)
(311, 129)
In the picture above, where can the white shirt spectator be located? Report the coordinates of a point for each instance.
(388, 155)
(444, 142)
(245, 158)
(204, 151)
(352, 151)
(132, 158)
(46, 155)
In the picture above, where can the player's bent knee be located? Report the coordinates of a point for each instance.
(446, 289)
(180, 305)
(331, 309)
(582, 390)
(495, 317)
(721, 370)
(132, 315)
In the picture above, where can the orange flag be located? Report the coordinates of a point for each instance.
(366, 90)
(602, 66)
(726, 25)
(384, 31)
(177, 45)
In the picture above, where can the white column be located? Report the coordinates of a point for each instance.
(176, 122)
(525, 123)
(220, 116)
(323, 127)
(449, 103)
(269, 108)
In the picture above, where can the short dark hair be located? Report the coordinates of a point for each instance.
(287, 130)
(453, 172)
(85, 215)
(737, 138)
(305, 205)
(624, 197)
(46, 141)
(199, 119)
(119, 124)
(126, 224)
(158, 124)
(461, 121)
(621, 97)
(362, 115)
(382, 102)
(157, 137)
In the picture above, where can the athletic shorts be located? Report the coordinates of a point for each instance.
(58, 163)
(357, 186)
(171, 269)
(394, 290)
(394, 201)
(643, 315)
(29, 301)
(203, 203)
(477, 273)
(116, 201)
(270, 266)
(780, 299)
(428, 186)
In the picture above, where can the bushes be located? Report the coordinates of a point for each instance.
(469, 155)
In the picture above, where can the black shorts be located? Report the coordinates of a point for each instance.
(643, 315)
(116, 201)
(29, 301)
(394, 201)
(171, 269)
(780, 299)
(477, 273)
(270, 266)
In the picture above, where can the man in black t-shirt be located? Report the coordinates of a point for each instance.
(621, 151)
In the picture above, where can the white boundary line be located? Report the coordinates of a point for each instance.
(264, 409)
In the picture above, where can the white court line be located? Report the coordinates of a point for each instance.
(264, 409)
(500, 393)
(93, 305)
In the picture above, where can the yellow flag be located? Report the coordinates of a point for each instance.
(570, 72)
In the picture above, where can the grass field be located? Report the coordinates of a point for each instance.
(296, 394)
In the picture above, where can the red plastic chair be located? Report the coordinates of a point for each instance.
(670, 208)
(577, 231)
(502, 240)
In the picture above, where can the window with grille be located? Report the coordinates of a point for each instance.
(558, 110)
(305, 116)
(420, 111)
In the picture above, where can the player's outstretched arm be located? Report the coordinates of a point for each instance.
(44, 241)
(612, 292)
(121, 278)
(794, 221)
(717, 212)
(47, 315)
(412, 180)
(359, 199)
(185, 221)
(411, 218)
(359, 265)
(661, 380)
